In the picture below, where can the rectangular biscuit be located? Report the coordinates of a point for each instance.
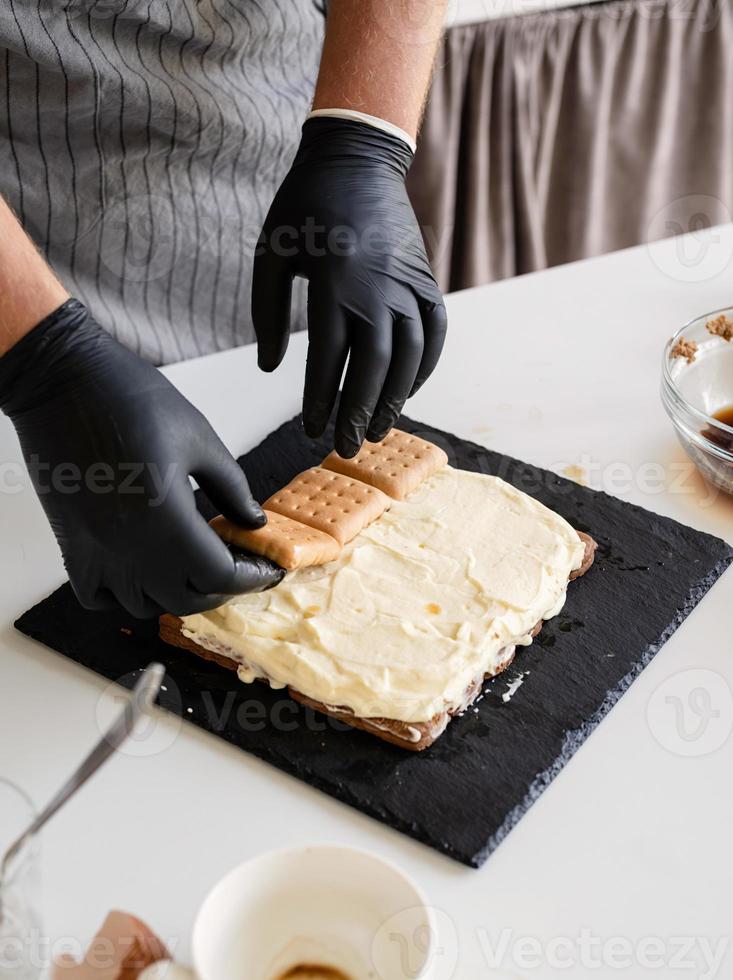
(288, 543)
(397, 465)
(329, 502)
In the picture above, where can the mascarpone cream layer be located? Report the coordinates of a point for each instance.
(415, 609)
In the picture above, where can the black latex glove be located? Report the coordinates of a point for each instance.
(342, 219)
(110, 444)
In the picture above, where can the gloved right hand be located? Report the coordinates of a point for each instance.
(110, 445)
(342, 219)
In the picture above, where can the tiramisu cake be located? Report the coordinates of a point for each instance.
(409, 582)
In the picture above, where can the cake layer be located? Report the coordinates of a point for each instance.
(415, 737)
(414, 609)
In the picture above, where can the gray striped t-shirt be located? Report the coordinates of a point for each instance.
(141, 143)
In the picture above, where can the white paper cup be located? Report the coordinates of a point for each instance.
(327, 906)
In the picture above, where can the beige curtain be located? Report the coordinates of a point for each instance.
(557, 136)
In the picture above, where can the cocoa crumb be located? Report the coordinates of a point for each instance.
(721, 326)
(577, 473)
(685, 348)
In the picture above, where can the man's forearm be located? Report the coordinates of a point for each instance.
(29, 290)
(378, 57)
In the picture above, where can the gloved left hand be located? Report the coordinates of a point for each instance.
(110, 445)
(343, 220)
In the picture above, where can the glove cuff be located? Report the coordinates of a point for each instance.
(329, 139)
(35, 363)
(363, 117)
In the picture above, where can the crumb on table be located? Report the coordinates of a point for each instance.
(721, 326)
(577, 473)
(685, 348)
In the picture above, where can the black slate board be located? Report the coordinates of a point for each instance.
(464, 794)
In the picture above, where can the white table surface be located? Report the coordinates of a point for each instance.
(474, 11)
(632, 840)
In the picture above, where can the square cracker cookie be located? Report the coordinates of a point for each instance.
(337, 505)
(288, 543)
(397, 465)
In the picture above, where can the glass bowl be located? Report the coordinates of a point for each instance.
(697, 385)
